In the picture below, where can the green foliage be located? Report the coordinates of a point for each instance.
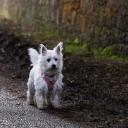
(103, 52)
(77, 47)
(107, 54)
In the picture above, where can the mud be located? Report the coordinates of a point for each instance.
(95, 92)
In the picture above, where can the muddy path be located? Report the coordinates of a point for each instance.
(95, 92)
(15, 113)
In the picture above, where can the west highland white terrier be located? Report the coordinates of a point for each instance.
(45, 78)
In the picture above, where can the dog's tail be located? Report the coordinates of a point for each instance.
(33, 56)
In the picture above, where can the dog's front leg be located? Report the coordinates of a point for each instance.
(56, 98)
(39, 99)
(30, 92)
(30, 96)
(46, 100)
(56, 101)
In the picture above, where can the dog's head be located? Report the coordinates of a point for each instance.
(51, 60)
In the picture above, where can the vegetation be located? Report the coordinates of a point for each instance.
(106, 53)
(73, 45)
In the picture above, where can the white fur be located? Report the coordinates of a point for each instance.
(37, 87)
(33, 55)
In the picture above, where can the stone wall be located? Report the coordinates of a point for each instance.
(99, 22)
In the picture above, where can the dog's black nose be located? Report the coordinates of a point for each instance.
(53, 66)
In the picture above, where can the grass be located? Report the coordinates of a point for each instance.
(107, 54)
(78, 48)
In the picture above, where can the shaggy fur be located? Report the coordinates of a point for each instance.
(46, 63)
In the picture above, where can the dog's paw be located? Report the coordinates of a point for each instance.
(40, 106)
(58, 106)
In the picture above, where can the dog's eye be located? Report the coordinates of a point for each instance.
(48, 59)
(55, 59)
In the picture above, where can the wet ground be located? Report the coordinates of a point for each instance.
(95, 93)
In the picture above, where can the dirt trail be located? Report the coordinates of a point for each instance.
(15, 113)
(95, 92)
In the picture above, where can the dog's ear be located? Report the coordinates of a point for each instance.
(59, 47)
(43, 49)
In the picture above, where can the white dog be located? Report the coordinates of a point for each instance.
(46, 76)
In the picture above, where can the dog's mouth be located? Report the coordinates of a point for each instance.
(53, 69)
(51, 72)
